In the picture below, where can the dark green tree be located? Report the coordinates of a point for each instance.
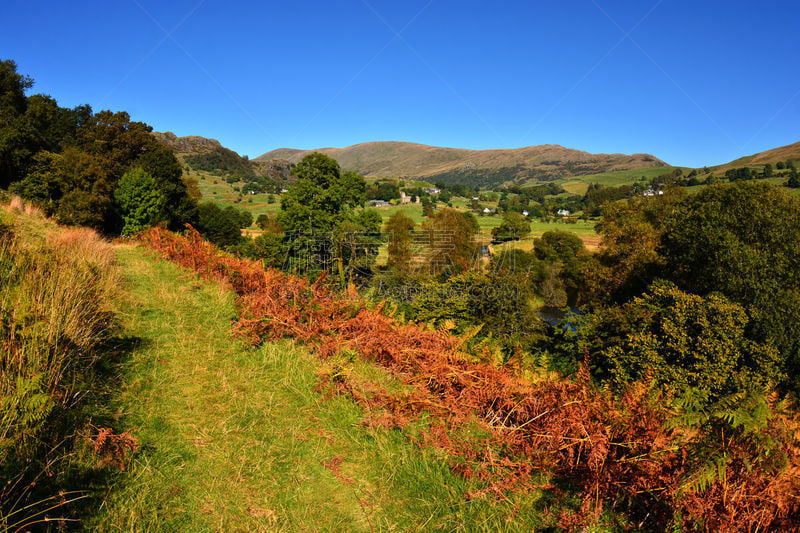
(140, 200)
(689, 344)
(320, 199)
(743, 241)
(219, 226)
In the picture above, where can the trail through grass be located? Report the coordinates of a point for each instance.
(238, 439)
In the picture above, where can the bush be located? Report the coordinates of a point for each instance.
(689, 343)
(498, 302)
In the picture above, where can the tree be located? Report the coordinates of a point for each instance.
(794, 180)
(320, 199)
(514, 227)
(267, 247)
(245, 218)
(743, 241)
(399, 227)
(43, 185)
(219, 226)
(629, 259)
(767, 170)
(179, 206)
(140, 200)
(69, 161)
(688, 343)
(80, 208)
(451, 241)
(558, 245)
(356, 241)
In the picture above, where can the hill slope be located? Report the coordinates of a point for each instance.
(482, 167)
(775, 155)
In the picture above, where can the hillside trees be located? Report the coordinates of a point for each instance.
(740, 240)
(69, 161)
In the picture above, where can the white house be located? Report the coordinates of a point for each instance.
(651, 192)
(563, 212)
(524, 213)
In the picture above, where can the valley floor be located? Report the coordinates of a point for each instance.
(238, 439)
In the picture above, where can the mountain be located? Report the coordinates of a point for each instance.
(775, 155)
(476, 167)
(208, 154)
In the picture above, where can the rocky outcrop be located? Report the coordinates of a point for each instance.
(192, 144)
(275, 169)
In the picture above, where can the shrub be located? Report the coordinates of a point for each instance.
(692, 344)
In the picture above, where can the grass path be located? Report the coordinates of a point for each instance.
(237, 439)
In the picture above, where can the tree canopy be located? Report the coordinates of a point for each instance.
(69, 161)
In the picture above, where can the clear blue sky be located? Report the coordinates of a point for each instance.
(693, 82)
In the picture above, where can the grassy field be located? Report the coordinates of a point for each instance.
(216, 189)
(238, 439)
(579, 184)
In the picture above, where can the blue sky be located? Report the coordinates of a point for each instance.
(692, 82)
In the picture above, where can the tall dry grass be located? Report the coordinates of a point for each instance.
(19, 205)
(55, 317)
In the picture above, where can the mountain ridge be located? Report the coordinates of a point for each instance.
(491, 166)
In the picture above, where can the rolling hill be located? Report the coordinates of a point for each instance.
(772, 156)
(477, 167)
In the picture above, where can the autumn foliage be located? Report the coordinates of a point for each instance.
(621, 451)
